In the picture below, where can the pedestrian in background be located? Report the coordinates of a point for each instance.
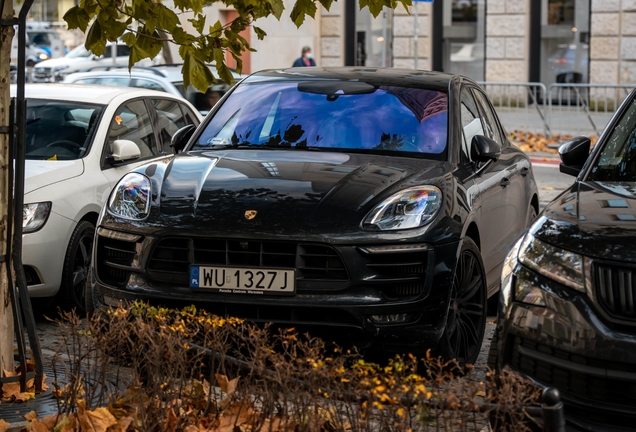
(306, 59)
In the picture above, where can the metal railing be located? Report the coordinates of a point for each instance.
(520, 106)
(584, 109)
(561, 109)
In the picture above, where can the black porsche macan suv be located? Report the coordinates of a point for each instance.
(373, 205)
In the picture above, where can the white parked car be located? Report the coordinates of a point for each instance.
(80, 140)
(80, 58)
(166, 78)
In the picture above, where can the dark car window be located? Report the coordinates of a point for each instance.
(59, 130)
(491, 127)
(147, 84)
(169, 120)
(334, 115)
(117, 82)
(132, 122)
(471, 122)
(617, 161)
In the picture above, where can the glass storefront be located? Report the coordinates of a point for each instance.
(464, 34)
(565, 41)
(374, 38)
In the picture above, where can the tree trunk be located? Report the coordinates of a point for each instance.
(6, 315)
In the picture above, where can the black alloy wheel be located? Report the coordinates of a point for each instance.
(76, 267)
(466, 321)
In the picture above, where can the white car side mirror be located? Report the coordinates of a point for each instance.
(124, 150)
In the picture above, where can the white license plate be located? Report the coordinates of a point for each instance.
(237, 280)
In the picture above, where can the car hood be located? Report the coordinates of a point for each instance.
(280, 191)
(40, 173)
(71, 62)
(594, 219)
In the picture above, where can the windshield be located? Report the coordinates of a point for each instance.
(617, 161)
(79, 51)
(59, 130)
(335, 115)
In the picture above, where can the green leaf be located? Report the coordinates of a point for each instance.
(278, 7)
(326, 3)
(166, 18)
(196, 72)
(77, 18)
(129, 39)
(260, 33)
(302, 8)
(147, 46)
(216, 30)
(198, 22)
(96, 39)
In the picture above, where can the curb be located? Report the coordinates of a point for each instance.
(17, 426)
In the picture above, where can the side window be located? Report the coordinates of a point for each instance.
(123, 50)
(189, 117)
(147, 84)
(132, 122)
(169, 120)
(471, 122)
(117, 82)
(490, 119)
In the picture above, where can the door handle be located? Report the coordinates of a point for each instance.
(505, 182)
(525, 171)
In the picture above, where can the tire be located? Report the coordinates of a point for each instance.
(466, 319)
(76, 268)
(532, 215)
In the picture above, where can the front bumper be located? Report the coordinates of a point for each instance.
(341, 309)
(569, 345)
(43, 254)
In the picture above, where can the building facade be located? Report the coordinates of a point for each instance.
(488, 40)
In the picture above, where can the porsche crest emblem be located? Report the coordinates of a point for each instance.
(250, 214)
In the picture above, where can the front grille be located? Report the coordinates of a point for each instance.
(616, 291)
(114, 260)
(171, 258)
(398, 274)
(584, 381)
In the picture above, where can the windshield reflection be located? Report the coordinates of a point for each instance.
(339, 115)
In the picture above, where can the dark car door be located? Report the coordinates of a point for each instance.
(489, 178)
(515, 168)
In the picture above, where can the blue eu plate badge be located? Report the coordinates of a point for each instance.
(194, 276)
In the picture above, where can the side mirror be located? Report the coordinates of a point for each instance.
(181, 138)
(484, 149)
(573, 154)
(124, 150)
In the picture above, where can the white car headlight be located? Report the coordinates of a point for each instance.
(131, 197)
(34, 216)
(410, 208)
(43, 56)
(560, 265)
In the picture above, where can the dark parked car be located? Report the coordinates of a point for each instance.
(374, 204)
(568, 301)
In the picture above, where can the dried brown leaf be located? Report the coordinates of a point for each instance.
(51, 421)
(96, 421)
(124, 422)
(171, 421)
(4, 426)
(31, 416)
(36, 426)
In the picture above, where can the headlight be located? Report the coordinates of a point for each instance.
(131, 197)
(43, 56)
(34, 216)
(409, 208)
(506, 274)
(560, 265)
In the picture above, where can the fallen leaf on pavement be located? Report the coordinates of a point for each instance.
(4, 426)
(96, 421)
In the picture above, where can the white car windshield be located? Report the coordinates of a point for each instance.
(78, 52)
